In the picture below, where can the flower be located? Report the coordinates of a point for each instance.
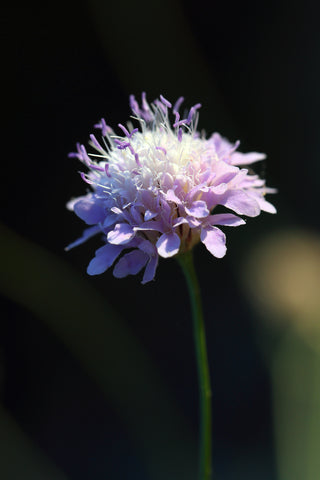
(154, 189)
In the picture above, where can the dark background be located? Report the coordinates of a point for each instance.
(254, 67)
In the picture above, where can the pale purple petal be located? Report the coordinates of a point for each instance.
(168, 244)
(172, 197)
(130, 264)
(155, 225)
(121, 234)
(224, 172)
(179, 221)
(89, 210)
(267, 206)
(264, 205)
(241, 203)
(110, 220)
(227, 219)
(219, 189)
(150, 269)
(238, 158)
(105, 256)
(215, 241)
(86, 234)
(147, 247)
(148, 215)
(198, 209)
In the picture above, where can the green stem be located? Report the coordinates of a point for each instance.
(205, 463)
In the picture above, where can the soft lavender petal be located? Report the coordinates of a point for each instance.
(150, 269)
(198, 209)
(130, 264)
(149, 215)
(224, 172)
(172, 197)
(179, 221)
(263, 204)
(238, 158)
(86, 234)
(241, 203)
(150, 225)
(89, 210)
(215, 241)
(227, 219)
(104, 258)
(121, 234)
(168, 244)
(110, 220)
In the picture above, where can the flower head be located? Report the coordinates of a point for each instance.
(154, 189)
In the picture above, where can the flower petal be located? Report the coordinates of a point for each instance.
(266, 206)
(121, 234)
(227, 219)
(150, 269)
(130, 264)
(105, 256)
(90, 211)
(241, 203)
(87, 233)
(148, 215)
(198, 209)
(168, 244)
(110, 220)
(170, 196)
(238, 158)
(215, 241)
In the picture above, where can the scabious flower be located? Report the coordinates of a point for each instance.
(154, 190)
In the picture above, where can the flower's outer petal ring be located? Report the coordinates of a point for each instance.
(241, 203)
(168, 244)
(121, 234)
(90, 211)
(130, 264)
(238, 158)
(215, 241)
(150, 270)
(198, 209)
(105, 256)
(87, 233)
(227, 219)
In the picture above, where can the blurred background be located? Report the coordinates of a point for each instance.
(97, 375)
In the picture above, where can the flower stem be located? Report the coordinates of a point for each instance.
(205, 462)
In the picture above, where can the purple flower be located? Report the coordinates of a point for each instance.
(154, 190)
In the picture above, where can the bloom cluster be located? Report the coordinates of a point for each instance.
(154, 189)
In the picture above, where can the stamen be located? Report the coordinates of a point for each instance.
(105, 129)
(165, 102)
(180, 122)
(145, 104)
(93, 166)
(134, 105)
(136, 156)
(84, 156)
(162, 149)
(193, 111)
(177, 105)
(123, 128)
(95, 143)
(96, 155)
(106, 169)
(74, 155)
(126, 132)
(85, 179)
